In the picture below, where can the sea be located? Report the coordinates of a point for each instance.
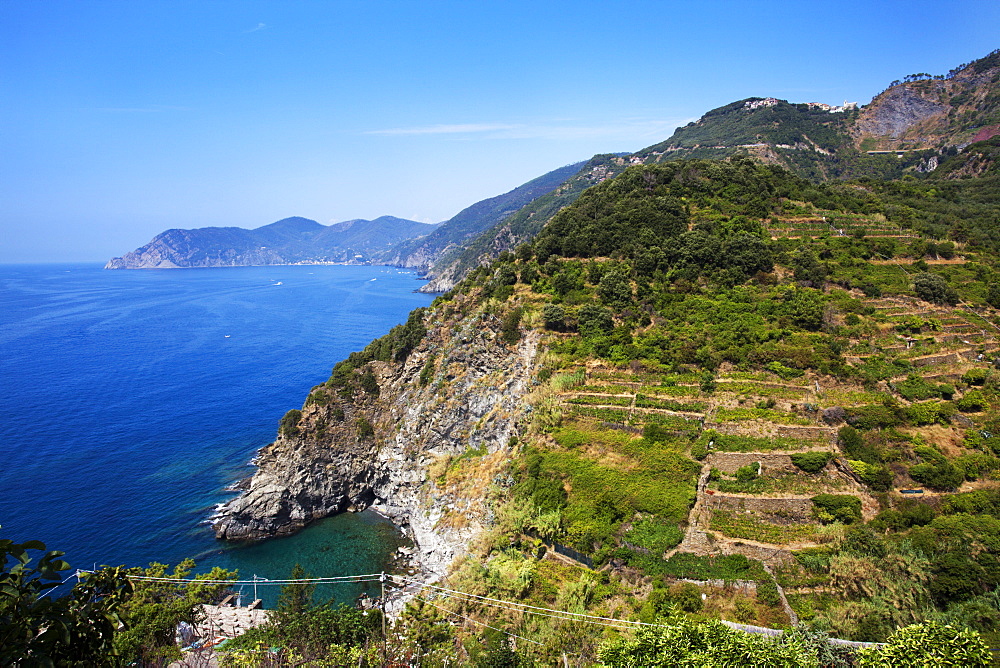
(131, 400)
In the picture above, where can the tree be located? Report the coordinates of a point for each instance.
(615, 289)
(37, 629)
(295, 597)
(554, 316)
(933, 288)
(804, 307)
(807, 267)
(289, 425)
(594, 320)
(510, 330)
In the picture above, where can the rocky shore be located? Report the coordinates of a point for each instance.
(461, 389)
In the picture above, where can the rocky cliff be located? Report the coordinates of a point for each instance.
(384, 435)
(933, 112)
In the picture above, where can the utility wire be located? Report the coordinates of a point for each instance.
(476, 621)
(54, 587)
(372, 577)
(525, 607)
(560, 614)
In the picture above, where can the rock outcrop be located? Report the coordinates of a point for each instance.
(897, 110)
(461, 390)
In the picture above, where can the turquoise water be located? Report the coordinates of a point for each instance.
(131, 399)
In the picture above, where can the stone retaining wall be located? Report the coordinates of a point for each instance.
(729, 462)
(793, 510)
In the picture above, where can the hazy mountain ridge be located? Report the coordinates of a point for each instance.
(521, 226)
(473, 220)
(292, 240)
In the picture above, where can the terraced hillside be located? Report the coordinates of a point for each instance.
(793, 413)
(704, 388)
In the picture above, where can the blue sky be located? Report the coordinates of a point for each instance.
(119, 120)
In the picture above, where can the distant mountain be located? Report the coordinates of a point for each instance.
(909, 127)
(289, 241)
(453, 234)
(520, 226)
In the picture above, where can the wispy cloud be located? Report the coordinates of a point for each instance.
(558, 129)
(260, 26)
(152, 109)
(442, 129)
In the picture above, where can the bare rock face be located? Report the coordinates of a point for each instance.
(472, 397)
(897, 110)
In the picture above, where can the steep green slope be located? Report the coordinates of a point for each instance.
(743, 395)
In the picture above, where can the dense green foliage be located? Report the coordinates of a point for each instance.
(110, 617)
(43, 629)
(394, 346)
(811, 462)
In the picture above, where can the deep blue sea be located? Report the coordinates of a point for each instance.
(131, 399)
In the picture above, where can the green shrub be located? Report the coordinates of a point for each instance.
(978, 501)
(783, 371)
(972, 401)
(974, 376)
(655, 433)
(876, 476)
(554, 316)
(916, 388)
(655, 535)
(928, 412)
(699, 450)
(928, 644)
(767, 593)
(510, 326)
(874, 416)
(723, 567)
(943, 476)
(427, 372)
(811, 462)
(748, 473)
(365, 429)
(368, 382)
(289, 425)
(594, 320)
(844, 508)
